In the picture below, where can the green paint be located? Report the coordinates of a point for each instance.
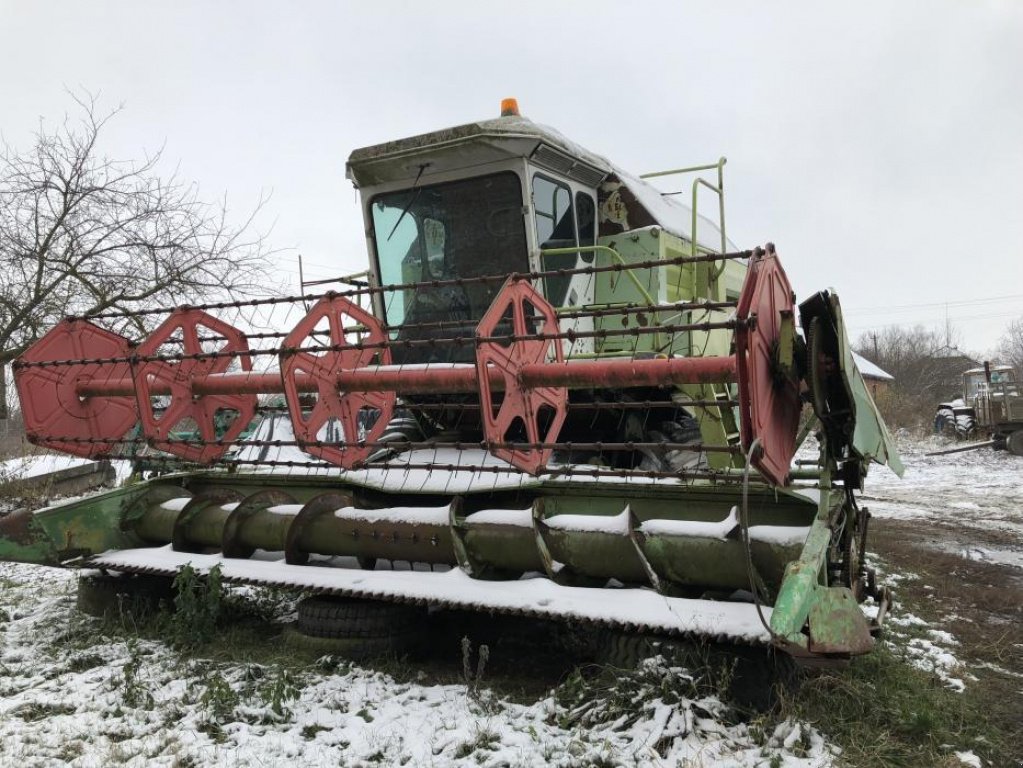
(799, 587)
(871, 440)
(837, 624)
(85, 526)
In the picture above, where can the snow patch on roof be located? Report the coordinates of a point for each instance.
(673, 216)
(870, 370)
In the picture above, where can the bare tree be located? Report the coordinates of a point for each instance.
(1010, 346)
(81, 232)
(925, 368)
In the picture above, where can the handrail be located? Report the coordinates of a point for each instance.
(353, 279)
(690, 169)
(719, 189)
(616, 257)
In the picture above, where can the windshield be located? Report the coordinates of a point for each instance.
(461, 229)
(1003, 377)
(1001, 380)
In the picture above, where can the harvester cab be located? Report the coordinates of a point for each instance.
(448, 212)
(562, 394)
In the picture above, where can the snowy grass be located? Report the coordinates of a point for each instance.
(83, 692)
(885, 712)
(913, 701)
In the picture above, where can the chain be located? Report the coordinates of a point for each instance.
(457, 341)
(405, 444)
(461, 281)
(569, 471)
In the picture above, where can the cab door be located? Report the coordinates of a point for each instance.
(565, 217)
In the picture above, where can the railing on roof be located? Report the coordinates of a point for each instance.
(718, 189)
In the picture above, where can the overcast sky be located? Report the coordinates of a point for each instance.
(880, 148)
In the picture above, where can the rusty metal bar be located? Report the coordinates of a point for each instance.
(625, 405)
(415, 445)
(633, 373)
(654, 372)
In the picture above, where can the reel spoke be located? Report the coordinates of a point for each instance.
(217, 418)
(521, 414)
(357, 341)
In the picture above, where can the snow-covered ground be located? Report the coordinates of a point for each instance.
(35, 466)
(71, 695)
(980, 489)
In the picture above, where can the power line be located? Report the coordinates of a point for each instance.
(932, 319)
(959, 303)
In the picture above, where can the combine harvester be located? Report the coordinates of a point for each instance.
(561, 394)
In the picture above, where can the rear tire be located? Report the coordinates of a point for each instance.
(355, 628)
(356, 649)
(343, 617)
(1014, 442)
(966, 427)
(944, 422)
(955, 426)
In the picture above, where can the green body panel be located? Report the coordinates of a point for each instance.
(836, 623)
(56, 534)
(799, 587)
(870, 438)
(614, 289)
(669, 285)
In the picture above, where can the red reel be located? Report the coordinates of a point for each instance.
(50, 404)
(358, 342)
(768, 399)
(519, 414)
(213, 417)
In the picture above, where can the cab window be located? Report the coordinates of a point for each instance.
(460, 229)
(555, 228)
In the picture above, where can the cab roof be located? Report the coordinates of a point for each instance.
(514, 136)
